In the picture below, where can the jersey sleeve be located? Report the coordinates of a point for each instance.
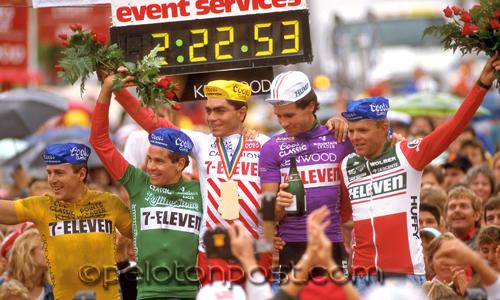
(134, 180)
(143, 116)
(348, 147)
(269, 166)
(30, 209)
(112, 160)
(420, 153)
(123, 220)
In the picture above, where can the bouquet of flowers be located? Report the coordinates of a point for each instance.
(87, 51)
(476, 30)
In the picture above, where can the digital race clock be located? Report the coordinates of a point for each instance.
(235, 42)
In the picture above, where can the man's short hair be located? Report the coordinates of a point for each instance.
(238, 105)
(489, 235)
(434, 195)
(304, 102)
(455, 185)
(433, 209)
(461, 193)
(174, 157)
(437, 171)
(78, 167)
(491, 204)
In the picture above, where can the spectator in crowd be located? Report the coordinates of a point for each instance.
(433, 175)
(496, 166)
(388, 223)
(474, 151)
(420, 126)
(455, 169)
(434, 195)
(454, 252)
(54, 215)
(430, 216)
(492, 211)
(488, 243)
(469, 133)
(14, 290)
(481, 180)
(463, 215)
(427, 235)
(438, 291)
(318, 253)
(161, 193)
(8, 243)
(39, 187)
(453, 275)
(27, 265)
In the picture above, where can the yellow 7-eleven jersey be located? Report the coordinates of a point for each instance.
(79, 240)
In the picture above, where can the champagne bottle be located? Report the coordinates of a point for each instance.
(295, 187)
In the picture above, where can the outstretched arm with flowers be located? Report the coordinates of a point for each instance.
(476, 30)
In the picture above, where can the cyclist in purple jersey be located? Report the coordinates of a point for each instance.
(318, 157)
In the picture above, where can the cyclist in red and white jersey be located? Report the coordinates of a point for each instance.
(381, 185)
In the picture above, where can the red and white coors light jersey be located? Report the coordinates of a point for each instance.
(211, 172)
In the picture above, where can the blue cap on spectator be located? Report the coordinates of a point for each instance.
(171, 139)
(69, 153)
(434, 231)
(373, 108)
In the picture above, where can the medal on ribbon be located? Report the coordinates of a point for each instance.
(229, 207)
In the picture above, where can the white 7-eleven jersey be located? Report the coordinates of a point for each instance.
(211, 172)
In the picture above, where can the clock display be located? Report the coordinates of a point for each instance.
(225, 43)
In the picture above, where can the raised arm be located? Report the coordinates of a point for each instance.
(112, 160)
(8, 214)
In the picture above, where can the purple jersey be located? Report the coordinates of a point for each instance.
(318, 161)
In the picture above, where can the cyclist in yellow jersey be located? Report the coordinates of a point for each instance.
(77, 225)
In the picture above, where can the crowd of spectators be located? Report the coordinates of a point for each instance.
(459, 224)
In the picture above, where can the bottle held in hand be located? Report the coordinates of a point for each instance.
(295, 187)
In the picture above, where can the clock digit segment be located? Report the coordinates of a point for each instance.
(221, 43)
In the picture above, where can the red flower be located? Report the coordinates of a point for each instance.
(176, 106)
(467, 29)
(59, 68)
(164, 82)
(497, 14)
(176, 88)
(447, 12)
(456, 10)
(78, 26)
(65, 44)
(486, 24)
(494, 24)
(63, 36)
(96, 31)
(465, 17)
(475, 6)
(103, 39)
(73, 27)
(169, 95)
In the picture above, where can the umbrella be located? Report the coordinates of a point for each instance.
(431, 104)
(31, 158)
(25, 109)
